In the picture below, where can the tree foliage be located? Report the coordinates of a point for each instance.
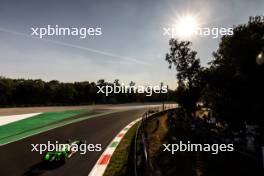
(188, 73)
(233, 85)
(235, 81)
(22, 92)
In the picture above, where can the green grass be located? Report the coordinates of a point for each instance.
(119, 163)
(26, 126)
(157, 130)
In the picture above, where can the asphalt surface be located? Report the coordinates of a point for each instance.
(17, 159)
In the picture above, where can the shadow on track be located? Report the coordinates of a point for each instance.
(40, 168)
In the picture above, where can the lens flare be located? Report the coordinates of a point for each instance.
(186, 26)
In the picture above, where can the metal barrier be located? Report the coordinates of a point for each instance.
(142, 136)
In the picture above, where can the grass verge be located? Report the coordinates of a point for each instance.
(121, 162)
(26, 126)
(157, 130)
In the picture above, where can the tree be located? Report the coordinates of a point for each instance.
(188, 70)
(116, 82)
(23, 92)
(235, 78)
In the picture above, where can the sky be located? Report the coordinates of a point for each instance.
(132, 46)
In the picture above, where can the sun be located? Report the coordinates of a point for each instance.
(186, 26)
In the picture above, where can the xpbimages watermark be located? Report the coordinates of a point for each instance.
(82, 32)
(81, 147)
(190, 147)
(214, 32)
(148, 90)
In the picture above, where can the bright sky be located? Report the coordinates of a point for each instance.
(131, 48)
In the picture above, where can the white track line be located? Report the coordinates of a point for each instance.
(13, 118)
(102, 163)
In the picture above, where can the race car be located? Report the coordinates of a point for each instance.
(63, 154)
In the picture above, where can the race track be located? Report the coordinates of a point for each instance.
(17, 159)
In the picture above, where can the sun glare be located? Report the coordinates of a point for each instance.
(186, 26)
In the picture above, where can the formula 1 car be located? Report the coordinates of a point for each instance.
(65, 152)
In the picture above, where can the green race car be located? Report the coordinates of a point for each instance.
(65, 152)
